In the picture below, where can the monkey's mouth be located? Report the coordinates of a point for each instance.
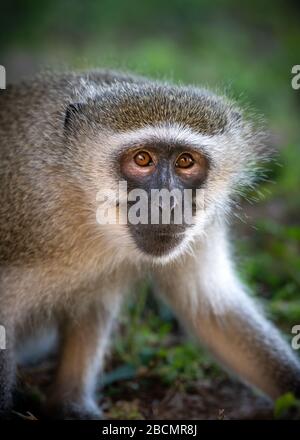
(157, 240)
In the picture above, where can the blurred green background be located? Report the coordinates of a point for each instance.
(245, 49)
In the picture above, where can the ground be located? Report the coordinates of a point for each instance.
(149, 398)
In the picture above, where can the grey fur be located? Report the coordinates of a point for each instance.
(59, 139)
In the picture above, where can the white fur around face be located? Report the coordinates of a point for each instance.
(215, 193)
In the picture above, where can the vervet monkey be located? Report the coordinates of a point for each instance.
(65, 139)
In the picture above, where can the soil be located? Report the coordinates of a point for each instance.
(150, 399)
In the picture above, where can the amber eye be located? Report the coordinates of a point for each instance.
(185, 161)
(143, 159)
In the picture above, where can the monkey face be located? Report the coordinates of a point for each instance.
(162, 179)
(160, 138)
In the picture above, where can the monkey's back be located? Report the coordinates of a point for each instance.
(32, 110)
(32, 118)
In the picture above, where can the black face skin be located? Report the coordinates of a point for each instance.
(158, 166)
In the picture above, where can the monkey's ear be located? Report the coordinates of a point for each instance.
(72, 112)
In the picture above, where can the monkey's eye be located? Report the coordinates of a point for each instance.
(185, 160)
(143, 159)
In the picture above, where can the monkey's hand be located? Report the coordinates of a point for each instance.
(86, 410)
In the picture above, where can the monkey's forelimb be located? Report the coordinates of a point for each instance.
(83, 347)
(207, 295)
